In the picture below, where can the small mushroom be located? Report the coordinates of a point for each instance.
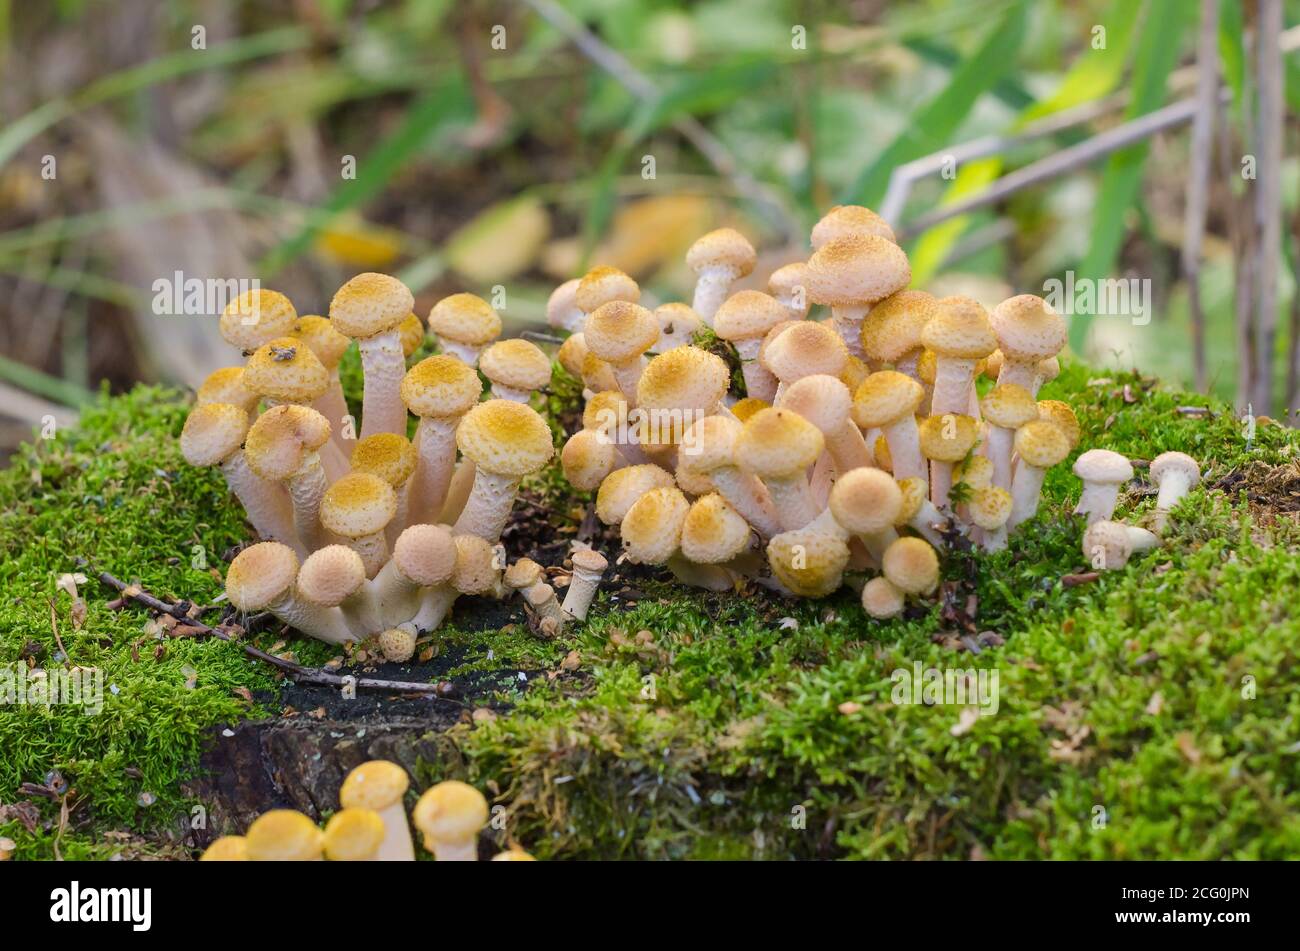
(945, 440)
(516, 369)
(321, 337)
(989, 508)
(709, 448)
(809, 561)
(789, 285)
(845, 220)
(378, 786)
(803, 349)
(744, 319)
(891, 331)
(851, 274)
(283, 835)
(960, 335)
(620, 333)
(719, 259)
(263, 577)
(1040, 445)
(1062, 416)
(256, 317)
(354, 835)
(882, 599)
(1102, 473)
(464, 324)
(358, 508)
(397, 644)
(623, 487)
(228, 848)
(1175, 473)
(827, 403)
(393, 459)
(714, 532)
(652, 528)
(370, 309)
(588, 568)
(912, 566)
(450, 816)
(283, 446)
(1005, 409)
(226, 385)
(587, 458)
(603, 284)
(778, 446)
(867, 503)
(562, 310)
(423, 556)
(1028, 332)
(506, 441)
(889, 400)
(335, 577)
(677, 326)
(1109, 545)
(440, 390)
(918, 512)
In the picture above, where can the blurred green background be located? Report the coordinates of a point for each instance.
(478, 145)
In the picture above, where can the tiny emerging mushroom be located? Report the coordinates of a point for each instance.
(1102, 473)
(283, 835)
(912, 566)
(516, 368)
(353, 835)
(808, 561)
(867, 503)
(263, 577)
(1108, 545)
(989, 508)
(397, 644)
(464, 324)
(882, 599)
(450, 816)
(719, 259)
(379, 785)
(1175, 473)
(588, 568)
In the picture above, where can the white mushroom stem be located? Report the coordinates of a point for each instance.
(462, 483)
(463, 851)
(822, 479)
(874, 542)
(627, 375)
(940, 481)
(582, 589)
(265, 503)
(952, 384)
(712, 287)
(361, 610)
(488, 507)
(373, 550)
(906, 364)
(759, 381)
(793, 500)
(324, 624)
(994, 539)
(1023, 373)
(1173, 487)
(334, 408)
(503, 392)
(747, 496)
(397, 845)
(924, 522)
(998, 449)
(435, 605)
(1098, 500)
(397, 596)
(435, 443)
(1026, 486)
(905, 449)
(399, 522)
(306, 489)
(466, 353)
(384, 364)
(541, 599)
(709, 577)
(847, 319)
(847, 447)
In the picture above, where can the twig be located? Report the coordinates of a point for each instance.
(1198, 177)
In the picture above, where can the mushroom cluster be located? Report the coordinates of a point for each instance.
(369, 532)
(371, 825)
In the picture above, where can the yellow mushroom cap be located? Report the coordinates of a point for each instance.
(466, 319)
(881, 451)
(513, 855)
(624, 486)
(723, 248)
(914, 492)
(778, 443)
(809, 563)
(854, 372)
(282, 439)
(713, 532)
(397, 644)
(960, 329)
(911, 565)
(603, 284)
(476, 569)
(886, 397)
(411, 330)
(1027, 328)
(684, 378)
(976, 472)
(1054, 411)
(844, 220)
(990, 506)
(692, 481)
(948, 438)
(652, 528)
(524, 573)
(260, 575)
(375, 784)
(597, 375)
(748, 407)
(353, 835)
(866, 500)
(926, 366)
(228, 848)
(283, 835)
(426, 554)
(881, 599)
(213, 431)
(857, 268)
(226, 385)
(331, 575)
(255, 317)
(822, 400)
(1041, 443)
(451, 811)
(993, 365)
(710, 443)
(788, 279)
(1009, 406)
(771, 335)
(505, 437)
(748, 314)
(516, 363)
(1049, 369)
(323, 338)
(620, 331)
(441, 386)
(387, 455)
(604, 411)
(587, 457)
(805, 348)
(370, 304)
(357, 505)
(677, 319)
(572, 353)
(286, 370)
(892, 328)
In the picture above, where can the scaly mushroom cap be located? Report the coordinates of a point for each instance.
(805, 348)
(597, 375)
(323, 338)
(1054, 411)
(959, 328)
(1103, 466)
(476, 569)
(1009, 406)
(572, 353)
(397, 644)
(441, 386)
(809, 563)
(588, 559)
(778, 443)
(866, 500)
(743, 409)
(451, 811)
(1114, 541)
(911, 565)
(748, 314)
(518, 364)
(1049, 369)
(1170, 462)
(949, 437)
(1027, 328)
(845, 220)
(331, 575)
(375, 784)
(914, 492)
(724, 247)
(693, 482)
(353, 835)
(505, 437)
(524, 573)
(620, 331)
(357, 505)
(226, 385)
(466, 319)
(976, 472)
(561, 303)
(822, 400)
(892, 328)
(1042, 444)
(685, 378)
(426, 554)
(624, 486)
(990, 507)
(603, 284)
(286, 370)
(881, 599)
(411, 332)
(228, 848)
(587, 457)
(282, 438)
(260, 575)
(885, 397)
(677, 319)
(854, 372)
(283, 835)
(710, 443)
(387, 455)
(857, 269)
(713, 532)
(370, 304)
(604, 411)
(652, 528)
(788, 279)
(212, 432)
(256, 317)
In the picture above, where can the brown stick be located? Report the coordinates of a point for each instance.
(1268, 193)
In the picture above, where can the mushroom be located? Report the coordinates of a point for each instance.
(778, 446)
(353, 835)
(411, 332)
(397, 644)
(747, 407)
(719, 259)
(213, 435)
(597, 376)
(919, 514)
(562, 310)
(891, 331)
(652, 528)
(506, 441)
(960, 336)
(852, 273)
(889, 400)
(912, 566)
(321, 337)
(1028, 332)
(744, 320)
(1109, 545)
(516, 369)
(588, 567)
(714, 532)
(379, 786)
(285, 370)
(620, 333)
(1048, 370)
(572, 352)
(370, 309)
(882, 599)
(1040, 445)
(228, 848)
(545, 606)
(803, 349)
(464, 324)
(263, 577)
(1060, 414)
(1005, 409)
(808, 561)
(826, 403)
(1102, 473)
(283, 835)
(677, 326)
(989, 508)
(789, 285)
(603, 284)
(587, 458)
(945, 440)
(439, 390)
(284, 446)
(256, 317)
(867, 502)
(424, 555)
(450, 816)
(513, 855)
(624, 486)
(358, 508)
(335, 577)
(226, 385)
(842, 221)
(476, 573)
(677, 389)
(393, 459)
(1175, 473)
